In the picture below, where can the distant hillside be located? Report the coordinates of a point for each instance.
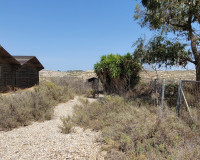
(145, 75)
(168, 75)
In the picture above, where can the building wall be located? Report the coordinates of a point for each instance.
(7, 76)
(27, 76)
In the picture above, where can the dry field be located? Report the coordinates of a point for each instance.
(145, 75)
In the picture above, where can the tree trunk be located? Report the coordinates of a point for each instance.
(197, 72)
(195, 52)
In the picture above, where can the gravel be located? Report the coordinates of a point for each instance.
(45, 141)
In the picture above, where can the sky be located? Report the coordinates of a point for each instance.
(69, 34)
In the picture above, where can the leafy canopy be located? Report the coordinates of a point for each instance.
(160, 50)
(169, 15)
(179, 17)
(118, 73)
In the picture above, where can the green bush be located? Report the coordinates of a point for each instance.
(117, 73)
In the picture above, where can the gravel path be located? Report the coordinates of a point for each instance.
(44, 140)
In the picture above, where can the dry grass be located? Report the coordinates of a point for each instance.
(133, 132)
(37, 104)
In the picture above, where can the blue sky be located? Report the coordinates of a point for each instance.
(68, 34)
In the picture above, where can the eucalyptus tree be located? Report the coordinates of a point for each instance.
(179, 17)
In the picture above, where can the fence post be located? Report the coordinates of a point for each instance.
(155, 93)
(178, 107)
(163, 93)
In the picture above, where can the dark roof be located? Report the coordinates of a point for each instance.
(7, 57)
(29, 60)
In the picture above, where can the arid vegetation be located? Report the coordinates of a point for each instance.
(133, 131)
(132, 127)
(37, 104)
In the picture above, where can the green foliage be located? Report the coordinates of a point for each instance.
(168, 15)
(118, 73)
(179, 17)
(162, 51)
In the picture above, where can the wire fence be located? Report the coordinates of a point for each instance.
(185, 95)
(164, 93)
(188, 101)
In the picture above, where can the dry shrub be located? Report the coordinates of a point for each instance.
(77, 85)
(144, 91)
(34, 105)
(133, 132)
(67, 125)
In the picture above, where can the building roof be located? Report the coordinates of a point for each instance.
(29, 60)
(19, 60)
(7, 57)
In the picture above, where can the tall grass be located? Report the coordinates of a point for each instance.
(131, 131)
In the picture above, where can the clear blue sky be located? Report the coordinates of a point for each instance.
(68, 34)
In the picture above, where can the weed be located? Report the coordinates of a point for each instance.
(67, 125)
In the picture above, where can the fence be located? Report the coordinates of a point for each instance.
(188, 101)
(164, 93)
(185, 96)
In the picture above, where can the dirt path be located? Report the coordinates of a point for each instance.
(44, 140)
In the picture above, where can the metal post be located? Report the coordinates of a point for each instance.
(155, 93)
(188, 108)
(178, 107)
(163, 93)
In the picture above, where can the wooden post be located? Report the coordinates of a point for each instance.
(178, 107)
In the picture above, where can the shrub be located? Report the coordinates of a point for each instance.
(117, 73)
(77, 85)
(21, 108)
(133, 132)
(67, 125)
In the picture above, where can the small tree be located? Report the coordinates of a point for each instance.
(117, 73)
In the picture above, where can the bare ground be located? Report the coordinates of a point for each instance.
(45, 141)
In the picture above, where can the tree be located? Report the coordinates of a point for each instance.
(180, 17)
(117, 73)
(160, 50)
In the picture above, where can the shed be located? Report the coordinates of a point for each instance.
(18, 71)
(94, 84)
(8, 67)
(28, 74)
